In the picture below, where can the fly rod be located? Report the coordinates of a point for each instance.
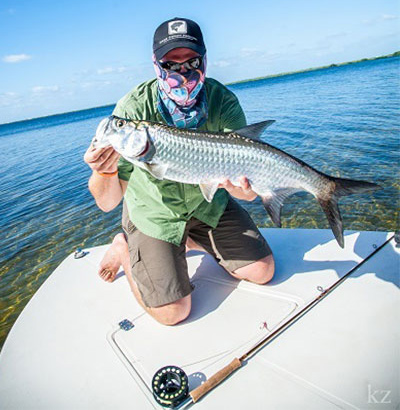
(170, 385)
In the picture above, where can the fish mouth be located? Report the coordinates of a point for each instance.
(145, 150)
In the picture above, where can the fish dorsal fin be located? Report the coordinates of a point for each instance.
(273, 202)
(254, 131)
(208, 189)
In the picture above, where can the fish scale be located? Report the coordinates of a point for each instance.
(220, 158)
(186, 150)
(206, 158)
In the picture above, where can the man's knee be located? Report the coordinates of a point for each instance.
(173, 313)
(260, 272)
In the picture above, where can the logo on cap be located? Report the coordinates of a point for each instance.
(177, 27)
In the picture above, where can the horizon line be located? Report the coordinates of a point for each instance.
(283, 74)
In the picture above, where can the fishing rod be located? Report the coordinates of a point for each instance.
(170, 383)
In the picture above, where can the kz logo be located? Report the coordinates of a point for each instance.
(378, 396)
(177, 27)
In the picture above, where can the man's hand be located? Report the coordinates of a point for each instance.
(243, 191)
(103, 160)
(106, 190)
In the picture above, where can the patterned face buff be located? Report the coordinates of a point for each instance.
(181, 98)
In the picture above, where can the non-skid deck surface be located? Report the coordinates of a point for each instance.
(67, 351)
(228, 317)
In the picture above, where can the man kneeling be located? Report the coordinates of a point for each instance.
(162, 218)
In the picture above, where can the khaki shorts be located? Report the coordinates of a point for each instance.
(159, 268)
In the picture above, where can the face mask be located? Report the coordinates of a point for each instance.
(181, 87)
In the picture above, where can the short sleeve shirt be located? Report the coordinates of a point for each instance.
(161, 208)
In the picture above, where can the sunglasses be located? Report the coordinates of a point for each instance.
(191, 64)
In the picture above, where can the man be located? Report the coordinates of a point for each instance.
(161, 217)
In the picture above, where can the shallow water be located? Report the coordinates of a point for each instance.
(343, 121)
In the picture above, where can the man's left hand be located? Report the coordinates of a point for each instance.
(243, 191)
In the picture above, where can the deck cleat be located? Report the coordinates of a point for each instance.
(79, 253)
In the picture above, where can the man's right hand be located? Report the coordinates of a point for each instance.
(103, 160)
(106, 190)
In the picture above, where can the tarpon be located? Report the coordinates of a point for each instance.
(208, 158)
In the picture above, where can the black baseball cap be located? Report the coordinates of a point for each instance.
(175, 33)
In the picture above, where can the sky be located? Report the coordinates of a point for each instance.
(60, 56)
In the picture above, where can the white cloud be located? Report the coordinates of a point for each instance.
(9, 98)
(388, 17)
(337, 35)
(44, 88)
(16, 58)
(87, 84)
(249, 52)
(383, 17)
(108, 70)
(94, 84)
(220, 63)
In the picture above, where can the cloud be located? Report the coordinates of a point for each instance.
(108, 70)
(220, 63)
(9, 98)
(44, 88)
(381, 18)
(248, 51)
(16, 58)
(94, 84)
(388, 17)
(337, 35)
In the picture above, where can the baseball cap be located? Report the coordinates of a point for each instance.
(175, 33)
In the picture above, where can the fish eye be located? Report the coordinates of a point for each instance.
(119, 123)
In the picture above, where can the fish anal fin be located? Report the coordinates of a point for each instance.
(273, 203)
(156, 170)
(254, 131)
(208, 189)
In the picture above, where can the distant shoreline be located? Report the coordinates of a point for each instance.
(307, 70)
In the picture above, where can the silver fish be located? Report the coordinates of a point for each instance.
(205, 158)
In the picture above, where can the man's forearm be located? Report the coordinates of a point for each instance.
(107, 191)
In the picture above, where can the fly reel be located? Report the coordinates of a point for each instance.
(170, 386)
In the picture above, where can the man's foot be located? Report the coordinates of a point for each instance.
(111, 261)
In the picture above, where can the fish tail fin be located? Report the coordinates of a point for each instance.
(329, 202)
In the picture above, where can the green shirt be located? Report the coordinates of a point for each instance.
(161, 208)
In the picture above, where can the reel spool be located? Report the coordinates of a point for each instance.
(170, 386)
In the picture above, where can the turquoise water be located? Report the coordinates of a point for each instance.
(342, 120)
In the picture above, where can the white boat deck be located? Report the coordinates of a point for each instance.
(66, 350)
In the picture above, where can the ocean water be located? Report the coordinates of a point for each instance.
(343, 121)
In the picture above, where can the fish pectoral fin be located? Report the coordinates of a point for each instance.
(156, 170)
(254, 131)
(208, 189)
(273, 203)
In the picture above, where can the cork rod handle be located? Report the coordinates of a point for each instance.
(214, 380)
